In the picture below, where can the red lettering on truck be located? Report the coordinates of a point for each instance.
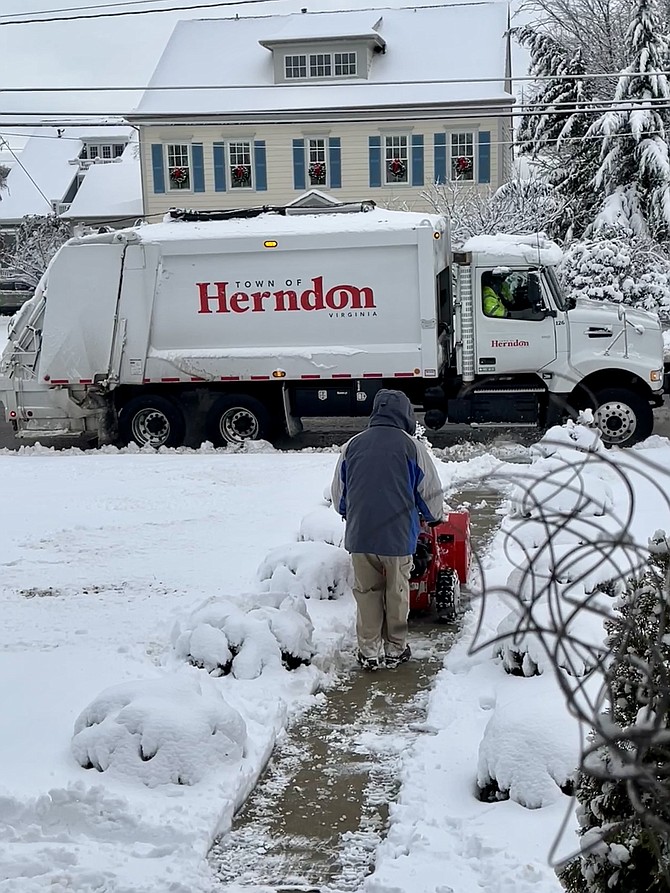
(214, 298)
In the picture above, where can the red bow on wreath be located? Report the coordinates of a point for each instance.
(178, 175)
(397, 167)
(317, 170)
(240, 172)
(463, 164)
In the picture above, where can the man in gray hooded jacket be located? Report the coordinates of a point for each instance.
(385, 480)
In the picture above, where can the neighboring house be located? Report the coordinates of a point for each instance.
(53, 167)
(376, 104)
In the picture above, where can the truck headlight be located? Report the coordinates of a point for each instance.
(656, 375)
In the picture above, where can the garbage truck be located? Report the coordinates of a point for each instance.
(234, 325)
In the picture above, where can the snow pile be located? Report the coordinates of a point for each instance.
(226, 637)
(316, 570)
(322, 525)
(172, 730)
(525, 754)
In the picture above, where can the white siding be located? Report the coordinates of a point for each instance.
(279, 153)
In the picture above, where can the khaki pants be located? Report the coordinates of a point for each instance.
(381, 590)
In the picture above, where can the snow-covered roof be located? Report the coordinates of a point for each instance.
(533, 248)
(277, 225)
(46, 171)
(424, 45)
(109, 191)
(322, 27)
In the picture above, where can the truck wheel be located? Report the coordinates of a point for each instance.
(624, 417)
(447, 595)
(151, 420)
(235, 418)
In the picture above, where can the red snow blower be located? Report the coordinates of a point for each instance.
(441, 563)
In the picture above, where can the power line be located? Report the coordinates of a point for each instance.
(31, 12)
(567, 108)
(139, 12)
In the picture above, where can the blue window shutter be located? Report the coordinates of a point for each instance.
(417, 160)
(440, 147)
(260, 164)
(219, 153)
(157, 165)
(335, 162)
(375, 160)
(484, 156)
(299, 164)
(198, 167)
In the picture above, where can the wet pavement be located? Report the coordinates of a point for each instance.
(321, 808)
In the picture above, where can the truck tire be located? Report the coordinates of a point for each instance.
(623, 416)
(235, 418)
(151, 420)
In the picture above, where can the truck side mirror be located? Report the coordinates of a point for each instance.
(535, 293)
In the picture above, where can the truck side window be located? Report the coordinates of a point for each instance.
(505, 296)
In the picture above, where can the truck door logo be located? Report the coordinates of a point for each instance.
(219, 297)
(514, 342)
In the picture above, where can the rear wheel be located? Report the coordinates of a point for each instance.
(153, 421)
(447, 595)
(235, 418)
(624, 417)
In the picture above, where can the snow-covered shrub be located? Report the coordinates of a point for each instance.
(557, 487)
(566, 632)
(524, 754)
(162, 731)
(622, 787)
(222, 636)
(323, 525)
(616, 266)
(312, 570)
(582, 436)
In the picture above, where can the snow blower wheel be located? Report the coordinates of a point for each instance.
(447, 595)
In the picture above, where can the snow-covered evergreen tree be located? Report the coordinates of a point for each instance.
(622, 790)
(553, 130)
(616, 266)
(634, 173)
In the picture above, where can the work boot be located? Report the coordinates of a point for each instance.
(369, 663)
(392, 660)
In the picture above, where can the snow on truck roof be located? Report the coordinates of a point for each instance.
(532, 248)
(269, 225)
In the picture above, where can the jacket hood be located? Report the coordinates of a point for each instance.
(393, 408)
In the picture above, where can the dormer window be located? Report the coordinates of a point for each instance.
(345, 64)
(295, 67)
(320, 65)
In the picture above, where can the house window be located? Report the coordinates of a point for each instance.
(241, 171)
(317, 170)
(395, 159)
(320, 65)
(179, 167)
(345, 64)
(462, 156)
(295, 67)
(106, 151)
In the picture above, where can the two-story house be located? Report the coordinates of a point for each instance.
(376, 104)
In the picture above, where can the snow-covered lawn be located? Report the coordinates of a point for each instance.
(151, 607)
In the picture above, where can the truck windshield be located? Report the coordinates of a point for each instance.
(556, 291)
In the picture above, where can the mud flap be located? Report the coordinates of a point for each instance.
(292, 422)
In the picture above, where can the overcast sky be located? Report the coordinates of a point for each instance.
(121, 51)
